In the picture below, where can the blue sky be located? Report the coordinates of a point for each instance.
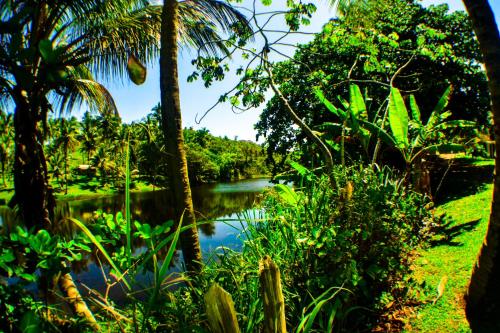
(135, 102)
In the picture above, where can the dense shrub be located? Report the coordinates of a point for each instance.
(352, 240)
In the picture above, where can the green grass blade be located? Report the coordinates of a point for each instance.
(165, 265)
(127, 203)
(98, 244)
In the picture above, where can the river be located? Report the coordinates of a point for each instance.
(222, 204)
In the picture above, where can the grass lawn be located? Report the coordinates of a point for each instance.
(80, 187)
(448, 262)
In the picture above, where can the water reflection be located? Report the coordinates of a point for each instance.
(218, 207)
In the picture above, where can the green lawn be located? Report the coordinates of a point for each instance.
(450, 258)
(80, 187)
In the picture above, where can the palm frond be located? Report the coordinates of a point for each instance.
(220, 13)
(81, 88)
(203, 21)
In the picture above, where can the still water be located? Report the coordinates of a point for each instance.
(221, 204)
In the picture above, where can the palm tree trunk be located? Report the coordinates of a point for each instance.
(32, 192)
(171, 123)
(66, 169)
(483, 296)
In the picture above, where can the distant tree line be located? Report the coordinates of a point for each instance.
(96, 146)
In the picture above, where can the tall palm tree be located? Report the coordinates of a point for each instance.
(67, 140)
(483, 296)
(209, 15)
(88, 135)
(48, 53)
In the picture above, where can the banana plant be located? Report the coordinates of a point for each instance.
(410, 135)
(351, 115)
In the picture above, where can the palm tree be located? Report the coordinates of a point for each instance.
(56, 165)
(87, 135)
(48, 54)
(208, 14)
(483, 295)
(67, 140)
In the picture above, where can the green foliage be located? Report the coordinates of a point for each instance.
(338, 250)
(413, 138)
(400, 30)
(398, 119)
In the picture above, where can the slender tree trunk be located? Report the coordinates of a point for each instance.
(32, 191)
(171, 124)
(66, 170)
(483, 296)
(3, 174)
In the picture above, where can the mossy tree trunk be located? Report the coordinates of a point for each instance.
(483, 296)
(171, 123)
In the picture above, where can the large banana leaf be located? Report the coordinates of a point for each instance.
(336, 111)
(415, 110)
(357, 107)
(379, 133)
(454, 124)
(398, 118)
(356, 103)
(440, 106)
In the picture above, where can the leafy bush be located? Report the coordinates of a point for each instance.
(353, 241)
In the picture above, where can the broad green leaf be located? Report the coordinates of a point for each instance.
(398, 118)
(302, 170)
(454, 124)
(356, 102)
(136, 70)
(336, 111)
(287, 194)
(440, 106)
(31, 323)
(379, 133)
(415, 110)
(47, 51)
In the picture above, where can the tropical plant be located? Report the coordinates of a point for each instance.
(47, 56)
(88, 136)
(67, 141)
(412, 137)
(57, 164)
(344, 54)
(340, 251)
(355, 111)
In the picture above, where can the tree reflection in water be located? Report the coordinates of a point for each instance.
(211, 202)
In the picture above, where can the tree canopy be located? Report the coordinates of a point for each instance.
(435, 47)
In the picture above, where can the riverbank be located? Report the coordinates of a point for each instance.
(85, 188)
(81, 189)
(444, 268)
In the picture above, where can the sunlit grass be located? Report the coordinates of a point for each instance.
(453, 257)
